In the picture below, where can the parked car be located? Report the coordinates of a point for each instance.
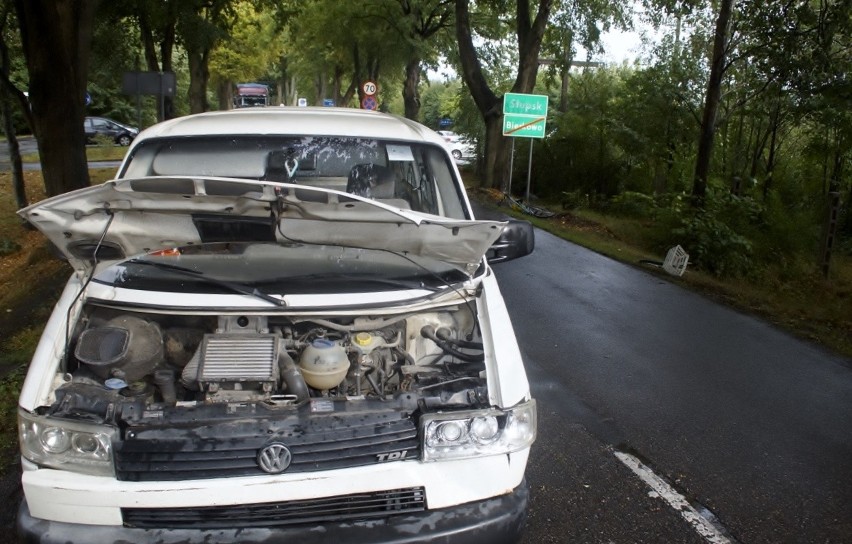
(460, 147)
(281, 327)
(101, 126)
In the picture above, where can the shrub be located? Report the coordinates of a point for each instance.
(572, 200)
(713, 245)
(632, 204)
(8, 247)
(102, 140)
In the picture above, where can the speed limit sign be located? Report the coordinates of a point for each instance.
(369, 88)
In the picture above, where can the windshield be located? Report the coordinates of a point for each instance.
(401, 174)
(279, 269)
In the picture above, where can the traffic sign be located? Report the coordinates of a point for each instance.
(303, 102)
(525, 104)
(328, 102)
(369, 103)
(524, 115)
(369, 88)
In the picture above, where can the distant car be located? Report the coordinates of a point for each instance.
(101, 126)
(460, 147)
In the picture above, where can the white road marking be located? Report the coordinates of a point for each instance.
(661, 489)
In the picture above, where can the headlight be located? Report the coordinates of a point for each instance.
(459, 435)
(66, 445)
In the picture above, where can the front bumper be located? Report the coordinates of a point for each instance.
(496, 520)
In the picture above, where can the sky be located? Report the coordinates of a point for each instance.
(621, 46)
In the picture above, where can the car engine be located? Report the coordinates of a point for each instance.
(133, 362)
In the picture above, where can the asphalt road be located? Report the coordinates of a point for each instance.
(751, 425)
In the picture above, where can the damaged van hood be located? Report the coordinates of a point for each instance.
(126, 217)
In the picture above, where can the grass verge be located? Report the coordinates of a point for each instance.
(93, 153)
(30, 282)
(805, 305)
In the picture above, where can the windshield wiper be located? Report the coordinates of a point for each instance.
(365, 278)
(229, 285)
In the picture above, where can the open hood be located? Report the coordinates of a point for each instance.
(128, 217)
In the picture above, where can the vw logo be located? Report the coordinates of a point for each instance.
(274, 458)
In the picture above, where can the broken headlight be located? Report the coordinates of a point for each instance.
(66, 445)
(460, 435)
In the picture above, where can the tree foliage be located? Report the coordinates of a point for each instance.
(630, 139)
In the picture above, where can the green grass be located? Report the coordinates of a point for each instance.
(10, 388)
(24, 305)
(803, 303)
(93, 153)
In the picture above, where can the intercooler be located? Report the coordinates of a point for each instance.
(247, 362)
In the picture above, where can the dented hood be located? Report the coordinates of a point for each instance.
(128, 217)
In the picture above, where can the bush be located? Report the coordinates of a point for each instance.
(632, 204)
(713, 245)
(102, 140)
(8, 247)
(572, 200)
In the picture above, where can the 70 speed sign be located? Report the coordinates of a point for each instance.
(369, 88)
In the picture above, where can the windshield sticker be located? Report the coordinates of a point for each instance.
(291, 165)
(399, 153)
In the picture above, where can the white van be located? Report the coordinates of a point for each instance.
(281, 327)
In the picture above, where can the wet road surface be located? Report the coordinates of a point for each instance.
(741, 418)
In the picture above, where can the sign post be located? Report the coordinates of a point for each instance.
(369, 102)
(524, 116)
(160, 84)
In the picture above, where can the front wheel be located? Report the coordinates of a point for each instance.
(456, 154)
(124, 140)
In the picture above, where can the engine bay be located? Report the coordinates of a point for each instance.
(122, 363)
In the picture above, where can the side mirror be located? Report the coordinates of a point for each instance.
(516, 240)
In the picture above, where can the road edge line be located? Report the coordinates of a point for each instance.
(703, 526)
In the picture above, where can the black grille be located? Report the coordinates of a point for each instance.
(230, 448)
(276, 514)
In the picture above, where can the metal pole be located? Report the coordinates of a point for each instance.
(529, 171)
(511, 163)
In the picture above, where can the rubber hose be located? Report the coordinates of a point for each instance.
(429, 332)
(165, 380)
(444, 334)
(292, 377)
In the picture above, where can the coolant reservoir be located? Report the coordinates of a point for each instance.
(324, 364)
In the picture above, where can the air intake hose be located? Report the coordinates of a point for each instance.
(292, 377)
(428, 331)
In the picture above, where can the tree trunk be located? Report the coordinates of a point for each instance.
(321, 88)
(530, 33)
(497, 149)
(336, 85)
(165, 108)
(225, 94)
(711, 104)
(56, 37)
(8, 94)
(18, 187)
(199, 73)
(411, 88)
(773, 148)
(350, 93)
